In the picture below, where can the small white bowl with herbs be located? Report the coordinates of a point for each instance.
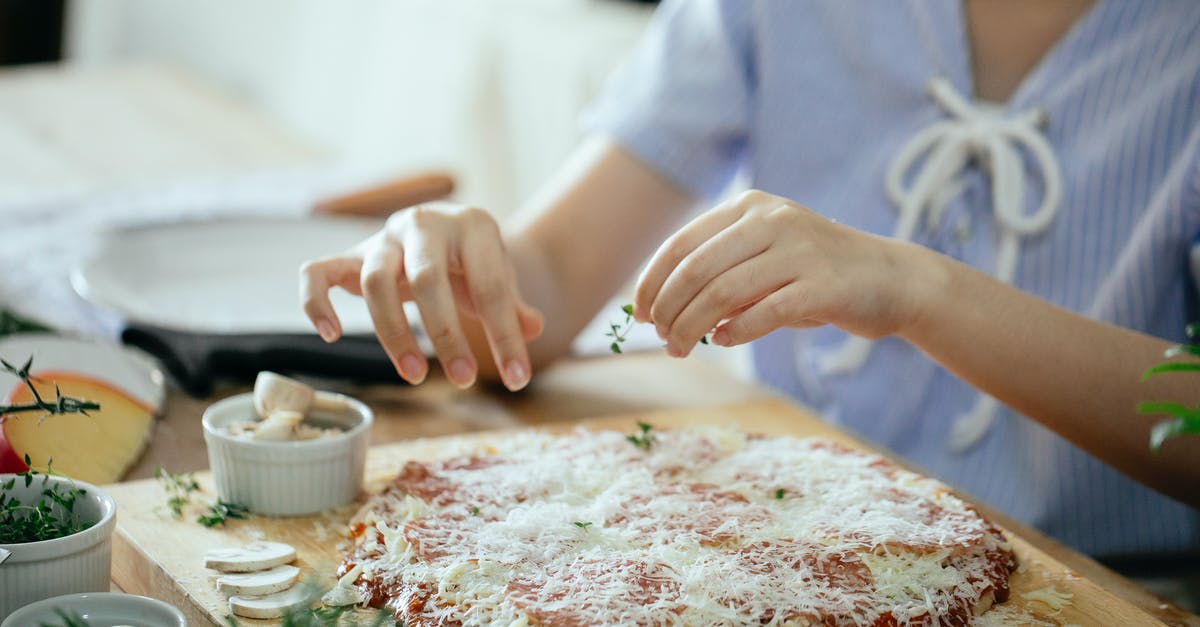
(286, 449)
(55, 533)
(55, 538)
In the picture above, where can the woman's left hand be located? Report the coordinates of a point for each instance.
(761, 262)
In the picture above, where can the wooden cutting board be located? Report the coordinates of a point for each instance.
(155, 555)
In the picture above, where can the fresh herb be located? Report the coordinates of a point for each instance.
(474, 510)
(617, 333)
(582, 525)
(53, 516)
(1184, 420)
(60, 405)
(12, 323)
(779, 494)
(644, 439)
(220, 512)
(179, 488)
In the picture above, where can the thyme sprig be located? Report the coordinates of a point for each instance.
(619, 331)
(60, 405)
(51, 517)
(179, 488)
(1183, 419)
(220, 512)
(643, 439)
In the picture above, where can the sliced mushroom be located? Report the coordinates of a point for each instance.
(280, 426)
(274, 392)
(271, 605)
(259, 583)
(252, 557)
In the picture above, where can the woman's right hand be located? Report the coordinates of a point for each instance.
(448, 259)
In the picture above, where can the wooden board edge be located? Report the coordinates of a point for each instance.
(133, 571)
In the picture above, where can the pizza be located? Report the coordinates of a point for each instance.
(700, 526)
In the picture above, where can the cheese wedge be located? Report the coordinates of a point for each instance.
(97, 448)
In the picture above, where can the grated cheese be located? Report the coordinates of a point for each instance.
(587, 529)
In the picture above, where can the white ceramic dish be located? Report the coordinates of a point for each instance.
(99, 609)
(288, 478)
(80, 562)
(223, 276)
(131, 371)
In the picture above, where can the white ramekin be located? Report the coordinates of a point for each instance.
(80, 562)
(100, 608)
(287, 478)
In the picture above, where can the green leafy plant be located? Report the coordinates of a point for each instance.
(619, 331)
(643, 439)
(60, 405)
(51, 517)
(179, 488)
(220, 512)
(12, 323)
(1183, 419)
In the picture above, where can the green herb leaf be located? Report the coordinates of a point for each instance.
(1166, 429)
(1174, 366)
(779, 494)
(644, 438)
(220, 512)
(582, 525)
(628, 309)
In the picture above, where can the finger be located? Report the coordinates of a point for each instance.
(745, 283)
(740, 242)
(426, 265)
(316, 279)
(532, 321)
(674, 250)
(381, 271)
(784, 307)
(491, 286)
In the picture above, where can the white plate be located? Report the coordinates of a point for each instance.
(100, 609)
(126, 368)
(227, 276)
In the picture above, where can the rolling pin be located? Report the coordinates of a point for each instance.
(383, 200)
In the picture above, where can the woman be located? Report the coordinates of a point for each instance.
(1038, 246)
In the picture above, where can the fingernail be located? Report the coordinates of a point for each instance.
(461, 373)
(720, 337)
(414, 368)
(515, 375)
(674, 352)
(325, 330)
(640, 314)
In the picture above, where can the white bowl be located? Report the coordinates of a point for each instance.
(80, 562)
(288, 478)
(99, 609)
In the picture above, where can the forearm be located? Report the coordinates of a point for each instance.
(1077, 376)
(580, 239)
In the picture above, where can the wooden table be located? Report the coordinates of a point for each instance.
(569, 391)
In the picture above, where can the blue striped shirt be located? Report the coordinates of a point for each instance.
(813, 99)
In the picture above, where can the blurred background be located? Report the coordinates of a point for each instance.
(118, 114)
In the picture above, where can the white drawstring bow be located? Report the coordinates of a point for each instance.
(978, 132)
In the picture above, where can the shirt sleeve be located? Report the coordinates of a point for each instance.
(681, 104)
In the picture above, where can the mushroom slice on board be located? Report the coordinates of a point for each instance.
(271, 605)
(249, 558)
(259, 583)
